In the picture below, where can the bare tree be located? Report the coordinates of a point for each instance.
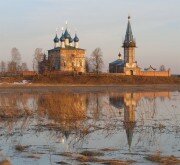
(16, 56)
(38, 57)
(12, 67)
(162, 68)
(97, 60)
(87, 64)
(24, 67)
(3, 66)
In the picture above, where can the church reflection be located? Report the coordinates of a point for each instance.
(128, 102)
(75, 116)
(65, 113)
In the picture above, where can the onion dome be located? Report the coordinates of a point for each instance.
(67, 35)
(76, 39)
(62, 39)
(56, 39)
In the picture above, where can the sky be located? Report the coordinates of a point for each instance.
(31, 24)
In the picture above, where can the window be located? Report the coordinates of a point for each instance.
(81, 63)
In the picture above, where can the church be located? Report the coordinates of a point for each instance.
(66, 56)
(127, 65)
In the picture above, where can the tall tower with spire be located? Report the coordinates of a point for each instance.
(129, 46)
(128, 65)
(130, 102)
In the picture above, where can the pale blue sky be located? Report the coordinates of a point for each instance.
(28, 24)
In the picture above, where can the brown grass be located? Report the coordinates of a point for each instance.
(33, 157)
(85, 79)
(109, 149)
(166, 160)
(91, 153)
(105, 79)
(20, 148)
(84, 159)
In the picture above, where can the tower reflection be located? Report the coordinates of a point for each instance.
(128, 102)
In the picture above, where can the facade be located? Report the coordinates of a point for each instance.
(128, 65)
(66, 56)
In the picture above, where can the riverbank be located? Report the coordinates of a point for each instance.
(37, 87)
(104, 79)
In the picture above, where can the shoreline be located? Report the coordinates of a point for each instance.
(81, 88)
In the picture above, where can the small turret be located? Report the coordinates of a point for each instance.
(56, 41)
(62, 39)
(76, 41)
(120, 56)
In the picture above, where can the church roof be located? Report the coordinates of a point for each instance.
(150, 68)
(118, 62)
(62, 39)
(66, 48)
(56, 39)
(67, 35)
(76, 39)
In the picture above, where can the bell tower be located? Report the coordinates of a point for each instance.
(129, 46)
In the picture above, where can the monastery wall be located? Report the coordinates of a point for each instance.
(155, 73)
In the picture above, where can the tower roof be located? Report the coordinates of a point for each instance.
(129, 40)
(62, 39)
(129, 127)
(66, 34)
(76, 39)
(56, 39)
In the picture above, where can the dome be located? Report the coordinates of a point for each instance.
(119, 55)
(56, 39)
(62, 39)
(67, 35)
(76, 39)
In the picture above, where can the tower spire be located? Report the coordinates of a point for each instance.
(129, 39)
(129, 35)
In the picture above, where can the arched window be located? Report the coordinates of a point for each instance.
(131, 72)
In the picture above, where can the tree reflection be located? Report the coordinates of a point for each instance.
(72, 118)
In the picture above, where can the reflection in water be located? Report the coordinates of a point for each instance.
(129, 102)
(73, 121)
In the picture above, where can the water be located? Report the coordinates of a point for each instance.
(123, 126)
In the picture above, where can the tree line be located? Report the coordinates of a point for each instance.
(15, 64)
(94, 63)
